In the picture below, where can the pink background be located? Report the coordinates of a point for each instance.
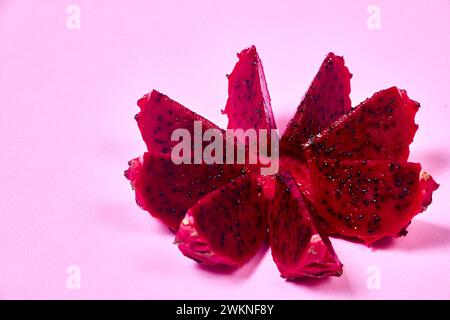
(67, 101)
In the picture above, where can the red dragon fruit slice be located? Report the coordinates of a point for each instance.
(380, 128)
(299, 170)
(227, 226)
(248, 105)
(160, 116)
(298, 248)
(369, 200)
(168, 190)
(327, 99)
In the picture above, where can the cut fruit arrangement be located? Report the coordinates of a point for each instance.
(343, 171)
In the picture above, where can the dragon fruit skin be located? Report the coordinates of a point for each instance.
(380, 128)
(369, 200)
(227, 226)
(248, 105)
(298, 248)
(327, 99)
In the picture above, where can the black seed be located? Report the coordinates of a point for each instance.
(391, 167)
(222, 239)
(389, 110)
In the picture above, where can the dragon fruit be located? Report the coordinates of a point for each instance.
(179, 186)
(160, 116)
(370, 199)
(180, 192)
(327, 99)
(381, 127)
(227, 226)
(248, 105)
(168, 190)
(299, 249)
(343, 172)
(299, 170)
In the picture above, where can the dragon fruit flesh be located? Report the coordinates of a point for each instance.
(298, 248)
(343, 172)
(248, 105)
(227, 226)
(327, 99)
(168, 190)
(381, 127)
(369, 199)
(160, 116)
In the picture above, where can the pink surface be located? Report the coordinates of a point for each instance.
(67, 101)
